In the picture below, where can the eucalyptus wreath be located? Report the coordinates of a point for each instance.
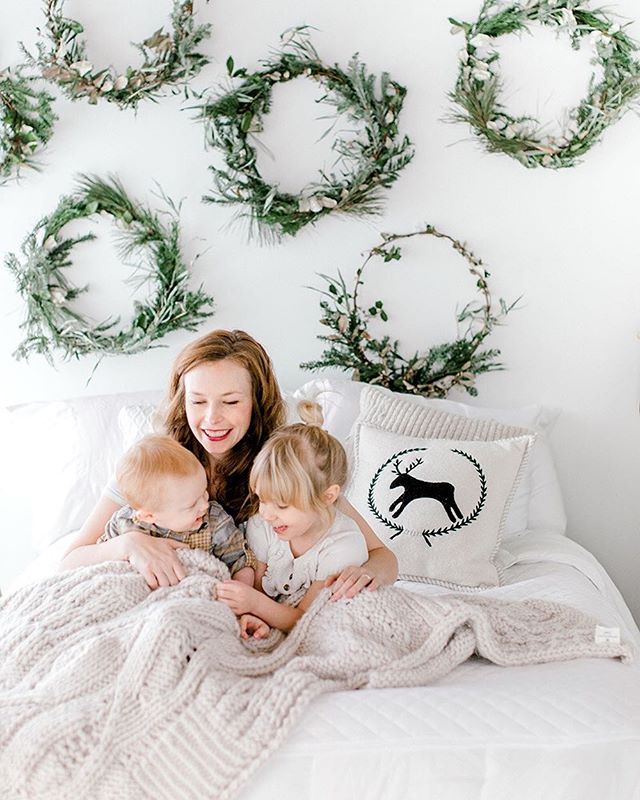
(432, 373)
(26, 122)
(365, 163)
(169, 59)
(478, 87)
(52, 324)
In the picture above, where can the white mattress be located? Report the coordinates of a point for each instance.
(565, 731)
(569, 730)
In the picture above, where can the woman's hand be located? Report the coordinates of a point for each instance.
(252, 626)
(238, 596)
(350, 582)
(154, 558)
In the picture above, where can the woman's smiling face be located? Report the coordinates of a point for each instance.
(218, 403)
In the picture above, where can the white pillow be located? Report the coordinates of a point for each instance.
(440, 505)
(63, 453)
(340, 403)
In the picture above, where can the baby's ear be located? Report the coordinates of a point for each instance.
(332, 494)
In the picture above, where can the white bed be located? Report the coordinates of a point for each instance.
(560, 730)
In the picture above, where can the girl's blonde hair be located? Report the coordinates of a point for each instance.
(230, 476)
(143, 468)
(299, 463)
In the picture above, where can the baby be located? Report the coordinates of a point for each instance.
(166, 490)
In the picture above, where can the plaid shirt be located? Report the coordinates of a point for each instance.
(218, 534)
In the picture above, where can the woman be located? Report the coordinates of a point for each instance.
(223, 404)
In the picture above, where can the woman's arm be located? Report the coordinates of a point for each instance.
(381, 568)
(155, 559)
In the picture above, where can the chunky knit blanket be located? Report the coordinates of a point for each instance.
(110, 690)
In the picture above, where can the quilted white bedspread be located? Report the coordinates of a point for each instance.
(568, 731)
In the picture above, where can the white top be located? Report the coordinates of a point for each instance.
(287, 578)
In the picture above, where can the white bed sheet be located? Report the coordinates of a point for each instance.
(564, 731)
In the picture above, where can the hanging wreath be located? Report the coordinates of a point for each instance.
(478, 87)
(26, 123)
(365, 164)
(378, 361)
(52, 324)
(169, 59)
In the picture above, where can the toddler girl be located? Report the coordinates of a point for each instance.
(298, 537)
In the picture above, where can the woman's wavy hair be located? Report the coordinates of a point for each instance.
(230, 476)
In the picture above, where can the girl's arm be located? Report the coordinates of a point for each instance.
(245, 600)
(381, 569)
(155, 559)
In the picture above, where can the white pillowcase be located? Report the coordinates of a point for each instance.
(62, 454)
(539, 490)
(438, 504)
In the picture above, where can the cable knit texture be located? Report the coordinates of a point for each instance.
(108, 689)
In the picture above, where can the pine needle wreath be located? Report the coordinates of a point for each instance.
(52, 325)
(378, 361)
(477, 91)
(26, 123)
(365, 165)
(169, 59)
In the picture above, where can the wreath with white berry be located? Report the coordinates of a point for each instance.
(364, 165)
(26, 122)
(169, 59)
(477, 92)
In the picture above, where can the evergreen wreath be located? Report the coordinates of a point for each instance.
(478, 86)
(169, 59)
(26, 122)
(53, 325)
(366, 164)
(379, 361)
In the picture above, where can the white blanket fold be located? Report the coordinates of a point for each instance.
(108, 689)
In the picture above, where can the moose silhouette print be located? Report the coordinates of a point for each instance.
(414, 489)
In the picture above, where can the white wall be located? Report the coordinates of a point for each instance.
(565, 240)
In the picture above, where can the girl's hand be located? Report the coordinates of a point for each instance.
(251, 626)
(154, 558)
(350, 582)
(238, 596)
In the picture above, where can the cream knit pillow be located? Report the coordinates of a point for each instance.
(438, 497)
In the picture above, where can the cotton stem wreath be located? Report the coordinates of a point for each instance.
(478, 88)
(366, 163)
(52, 324)
(169, 59)
(433, 373)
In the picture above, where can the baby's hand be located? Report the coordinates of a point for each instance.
(253, 626)
(238, 596)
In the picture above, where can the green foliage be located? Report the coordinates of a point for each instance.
(26, 123)
(478, 87)
(364, 165)
(168, 59)
(433, 373)
(52, 325)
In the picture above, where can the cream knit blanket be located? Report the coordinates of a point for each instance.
(109, 690)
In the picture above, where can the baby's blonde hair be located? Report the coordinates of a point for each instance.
(299, 463)
(143, 468)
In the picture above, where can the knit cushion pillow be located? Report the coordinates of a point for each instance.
(438, 498)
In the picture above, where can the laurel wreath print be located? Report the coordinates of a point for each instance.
(427, 534)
